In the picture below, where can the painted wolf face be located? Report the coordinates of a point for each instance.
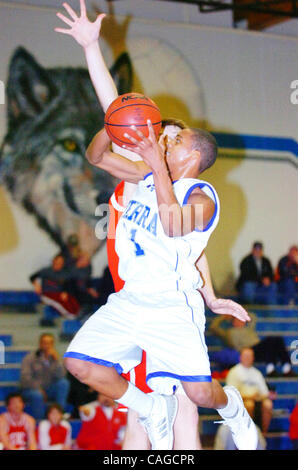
(53, 115)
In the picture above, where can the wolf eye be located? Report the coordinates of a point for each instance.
(70, 145)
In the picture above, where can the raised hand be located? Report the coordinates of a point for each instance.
(84, 31)
(228, 307)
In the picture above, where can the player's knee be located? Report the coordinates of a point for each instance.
(77, 368)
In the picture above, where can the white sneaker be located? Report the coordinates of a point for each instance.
(159, 425)
(244, 431)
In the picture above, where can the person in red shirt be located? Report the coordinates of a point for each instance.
(293, 432)
(54, 433)
(17, 429)
(103, 425)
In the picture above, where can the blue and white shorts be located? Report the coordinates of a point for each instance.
(170, 328)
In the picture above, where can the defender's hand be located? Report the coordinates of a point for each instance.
(228, 307)
(84, 31)
(147, 147)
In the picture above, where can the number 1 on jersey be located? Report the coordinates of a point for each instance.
(138, 250)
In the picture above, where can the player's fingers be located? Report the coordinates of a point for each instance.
(151, 130)
(139, 133)
(66, 20)
(131, 138)
(63, 31)
(71, 12)
(83, 7)
(100, 18)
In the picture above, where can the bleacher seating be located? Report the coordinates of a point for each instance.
(271, 321)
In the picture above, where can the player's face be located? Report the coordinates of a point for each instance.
(15, 405)
(179, 153)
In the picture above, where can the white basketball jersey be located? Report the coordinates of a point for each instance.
(149, 260)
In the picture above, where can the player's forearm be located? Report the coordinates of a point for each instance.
(99, 144)
(207, 289)
(101, 78)
(169, 209)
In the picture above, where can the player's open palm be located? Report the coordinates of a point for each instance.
(82, 29)
(229, 307)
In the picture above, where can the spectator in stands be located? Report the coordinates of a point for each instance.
(103, 425)
(43, 377)
(72, 250)
(287, 275)
(255, 283)
(293, 432)
(80, 285)
(51, 284)
(224, 439)
(270, 349)
(54, 433)
(79, 394)
(17, 429)
(253, 389)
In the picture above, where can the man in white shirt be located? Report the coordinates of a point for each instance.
(253, 388)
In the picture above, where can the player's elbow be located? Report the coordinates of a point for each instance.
(92, 157)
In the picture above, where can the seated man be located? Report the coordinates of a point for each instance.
(255, 283)
(43, 377)
(287, 275)
(253, 388)
(239, 335)
(51, 284)
(17, 429)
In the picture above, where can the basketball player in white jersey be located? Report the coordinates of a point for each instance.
(222, 305)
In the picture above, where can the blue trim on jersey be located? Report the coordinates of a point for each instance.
(201, 186)
(148, 174)
(184, 378)
(95, 360)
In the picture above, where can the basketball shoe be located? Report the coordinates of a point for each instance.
(159, 425)
(243, 429)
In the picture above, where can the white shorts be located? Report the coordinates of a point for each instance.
(169, 328)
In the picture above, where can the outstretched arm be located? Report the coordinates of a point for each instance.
(219, 306)
(86, 33)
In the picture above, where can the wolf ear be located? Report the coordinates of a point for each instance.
(121, 72)
(29, 87)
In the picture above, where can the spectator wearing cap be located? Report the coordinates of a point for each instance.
(255, 283)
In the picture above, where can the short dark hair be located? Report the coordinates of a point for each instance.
(173, 122)
(206, 144)
(258, 245)
(54, 406)
(12, 395)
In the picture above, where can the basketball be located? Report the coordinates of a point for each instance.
(131, 109)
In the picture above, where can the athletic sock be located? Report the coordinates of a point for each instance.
(232, 407)
(137, 400)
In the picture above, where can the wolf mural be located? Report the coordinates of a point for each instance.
(52, 116)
